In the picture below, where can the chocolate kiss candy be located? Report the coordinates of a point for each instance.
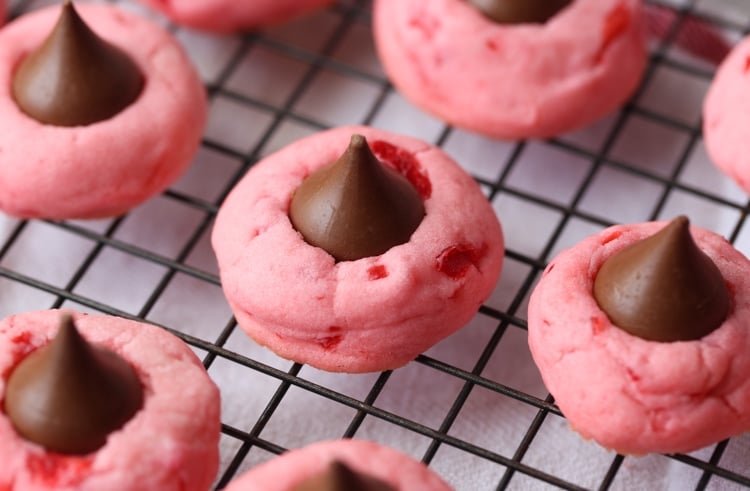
(356, 207)
(69, 395)
(75, 78)
(520, 11)
(663, 288)
(339, 477)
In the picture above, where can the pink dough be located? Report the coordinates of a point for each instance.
(234, 15)
(512, 81)
(726, 116)
(170, 444)
(627, 393)
(105, 168)
(291, 468)
(375, 313)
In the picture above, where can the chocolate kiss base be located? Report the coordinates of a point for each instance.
(356, 207)
(520, 11)
(340, 477)
(69, 395)
(75, 78)
(663, 288)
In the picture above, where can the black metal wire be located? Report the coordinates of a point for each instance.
(250, 435)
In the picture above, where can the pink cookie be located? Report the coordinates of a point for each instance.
(234, 15)
(105, 168)
(170, 444)
(374, 313)
(627, 393)
(512, 81)
(726, 125)
(383, 463)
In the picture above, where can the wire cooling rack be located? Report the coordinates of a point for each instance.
(473, 408)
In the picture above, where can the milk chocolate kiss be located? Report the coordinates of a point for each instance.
(69, 395)
(356, 207)
(520, 11)
(663, 288)
(340, 477)
(75, 78)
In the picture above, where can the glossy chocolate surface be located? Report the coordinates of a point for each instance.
(356, 207)
(69, 395)
(340, 477)
(75, 78)
(663, 288)
(520, 11)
